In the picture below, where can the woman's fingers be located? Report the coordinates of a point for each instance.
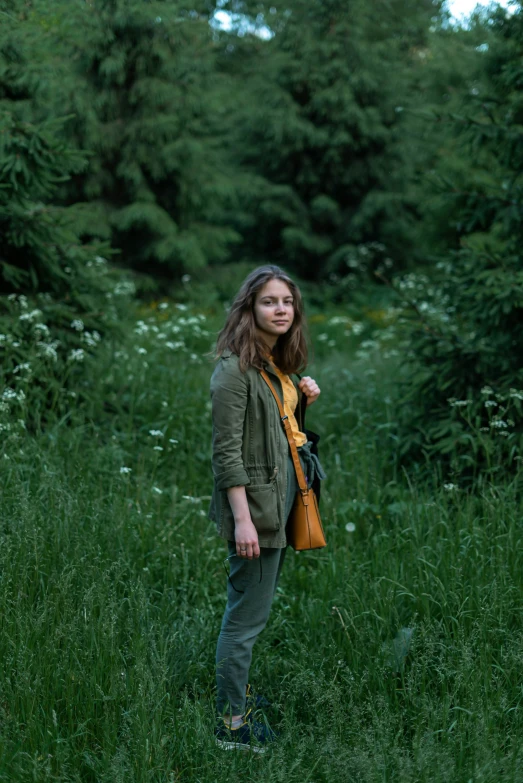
(310, 388)
(246, 540)
(247, 549)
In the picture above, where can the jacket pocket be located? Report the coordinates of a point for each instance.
(263, 505)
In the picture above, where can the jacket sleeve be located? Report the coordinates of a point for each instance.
(229, 395)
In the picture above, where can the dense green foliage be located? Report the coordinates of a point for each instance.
(464, 370)
(149, 108)
(394, 654)
(378, 157)
(324, 143)
(56, 293)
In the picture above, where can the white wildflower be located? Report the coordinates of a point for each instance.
(21, 367)
(141, 351)
(450, 487)
(338, 319)
(30, 316)
(124, 288)
(173, 440)
(490, 403)
(48, 349)
(357, 327)
(42, 328)
(323, 337)
(459, 403)
(181, 306)
(141, 327)
(517, 395)
(163, 306)
(125, 470)
(186, 278)
(487, 390)
(9, 394)
(499, 423)
(350, 527)
(158, 490)
(77, 324)
(156, 433)
(91, 339)
(158, 448)
(77, 355)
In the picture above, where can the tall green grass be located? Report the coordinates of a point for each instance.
(393, 655)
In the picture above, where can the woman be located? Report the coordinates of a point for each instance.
(254, 479)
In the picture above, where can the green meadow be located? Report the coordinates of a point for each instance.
(395, 654)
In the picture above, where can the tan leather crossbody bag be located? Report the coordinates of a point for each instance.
(304, 528)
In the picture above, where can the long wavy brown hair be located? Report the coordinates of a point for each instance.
(239, 334)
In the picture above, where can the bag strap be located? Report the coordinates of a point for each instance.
(300, 475)
(302, 407)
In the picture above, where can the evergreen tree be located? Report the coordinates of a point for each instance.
(320, 127)
(55, 292)
(148, 107)
(463, 390)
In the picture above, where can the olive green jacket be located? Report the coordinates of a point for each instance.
(249, 448)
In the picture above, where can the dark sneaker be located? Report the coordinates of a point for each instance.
(255, 701)
(251, 735)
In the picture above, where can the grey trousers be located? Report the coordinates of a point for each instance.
(247, 612)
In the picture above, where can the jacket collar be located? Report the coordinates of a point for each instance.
(267, 365)
(270, 369)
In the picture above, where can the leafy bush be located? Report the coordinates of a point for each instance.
(463, 377)
(58, 297)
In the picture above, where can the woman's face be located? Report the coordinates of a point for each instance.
(273, 310)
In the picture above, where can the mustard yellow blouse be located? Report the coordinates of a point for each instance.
(290, 401)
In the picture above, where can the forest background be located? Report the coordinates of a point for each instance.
(148, 160)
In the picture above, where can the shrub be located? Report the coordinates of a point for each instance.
(463, 376)
(58, 297)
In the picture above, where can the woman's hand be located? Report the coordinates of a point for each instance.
(245, 533)
(310, 388)
(246, 539)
